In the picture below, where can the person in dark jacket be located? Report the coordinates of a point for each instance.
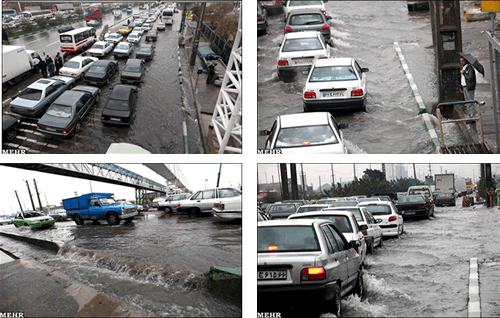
(59, 62)
(468, 85)
(52, 68)
(211, 72)
(43, 67)
(48, 59)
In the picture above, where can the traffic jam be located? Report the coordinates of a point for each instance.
(376, 254)
(323, 69)
(103, 91)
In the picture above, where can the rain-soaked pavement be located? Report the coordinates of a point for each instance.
(365, 30)
(154, 263)
(157, 123)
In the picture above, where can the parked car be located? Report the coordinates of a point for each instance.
(415, 205)
(100, 49)
(345, 222)
(58, 215)
(308, 20)
(228, 205)
(443, 199)
(146, 52)
(169, 204)
(152, 36)
(147, 27)
(203, 201)
(10, 124)
(301, 264)
(123, 49)
(120, 106)
(156, 202)
(421, 189)
(36, 98)
(335, 84)
(161, 26)
(66, 114)
(33, 219)
(65, 28)
(391, 219)
(77, 66)
(282, 210)
(261, 215)
(101, 72)
(298, 52)
(313, 133)
(133, 72)
(5, 221)
(114, 38)
(261, 18)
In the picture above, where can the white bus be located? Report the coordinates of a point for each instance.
(31, 15)
(78, 40)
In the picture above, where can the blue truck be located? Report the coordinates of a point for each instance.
(98, 206)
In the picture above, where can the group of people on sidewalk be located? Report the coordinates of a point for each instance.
(49, 65)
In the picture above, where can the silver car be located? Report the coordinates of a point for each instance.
(305, 263)
(169, 205)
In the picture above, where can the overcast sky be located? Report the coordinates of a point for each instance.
(54, 188)
(345, 172)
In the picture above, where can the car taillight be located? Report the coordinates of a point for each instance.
(282, 62)
(431, 200)
(148, 55)
(421, 207)
(272, 248)
(288, 29)
(399, 209)
(60, 73)
(357, 92)
(38, 127)
(31, 110)
(178, 204)
(325, 27)
(322, 57)
(102, 118)
(100, 80)
(356, 249)
(313, 273)
(324, 12)
(260, 18)
(64, 131)
(365, 232)
(11, 106)
(221, 206)
(73, 74)
(393, 218)
(137, 78)
(122, 77)
(309, 95)
(452, 200)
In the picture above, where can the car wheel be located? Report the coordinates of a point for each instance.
(370, 249)
(113, 218)
(98, 97)
(168, 210)
(11, 135)
(5, 88)
(78, 220)
(107, 82)
(381, 244)
(402, 229)
(78, 126)
(71, 86)
(359, 288)
(193, 213)
(335, 304)
(399, 235)
(15, 224)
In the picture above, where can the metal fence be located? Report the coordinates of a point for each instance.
(219, 45)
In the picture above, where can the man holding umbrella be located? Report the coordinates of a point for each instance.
(468, 80)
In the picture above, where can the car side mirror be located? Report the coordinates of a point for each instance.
(363, 227)
(355, 244)
(343, 126)
(365, 69)
(330, 42)
(278, 45)
(328, 17)
(264, 133)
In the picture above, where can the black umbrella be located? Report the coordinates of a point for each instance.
(473, 61)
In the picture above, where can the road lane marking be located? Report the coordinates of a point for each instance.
(53, 43)
(36, 40)
(474, 306)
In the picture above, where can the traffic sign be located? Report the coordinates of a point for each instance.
(490, 6)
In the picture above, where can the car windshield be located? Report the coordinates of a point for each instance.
(305, 136)
(306, 19)
(122, 46)
(124, 29)
(425, 192)
(98, 46)
(305, 3)
(58, 110)
(133, 35)
(412, 199)
(31, 94)
(107, 201)
(303, 209)
(132, 68)
(325, 201)
(356, 212)
(278, 239)
(101, 69)
(116, 104)
(333, 74)
(72, 64)
(344, 203)
(282, 208)
(144, 50)
(379, 209)
(112, 36)
(161, 24)
(341, 221)
(305, 44)
(32, 214)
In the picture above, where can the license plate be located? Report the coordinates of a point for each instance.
(115, 119)
(46, 222)
(410, 213)
(50, 129)
(304, 61)
(333, 94)
(263, 275)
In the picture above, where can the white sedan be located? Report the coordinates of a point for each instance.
(101, 49)
(298, 52)
(134, 38)
(113, 38)
(335, 84)
(139, 30)
(313, 133)
(391, 220)
(77, 66)
(308, 4)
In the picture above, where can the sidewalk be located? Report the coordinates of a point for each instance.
(489, 287)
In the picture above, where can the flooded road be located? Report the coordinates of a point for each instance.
(365, 30)
(155, 263)
(157, 122)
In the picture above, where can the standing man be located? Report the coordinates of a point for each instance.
(59, 62)
(468, 83)
(43, 67)
(51, 68)
(211, 72)
(48, 59)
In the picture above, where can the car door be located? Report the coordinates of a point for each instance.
(353, 259)
(50, 95)
(108, 47)
(207, 200)
(94, 209)
(337, 266)
(86, 102)
(270, 141)
(373, 225)
(362, 76)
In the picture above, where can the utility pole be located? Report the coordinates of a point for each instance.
(304, 185)
(31, 198)
(333, 176)
(197, 35)
(284, 182)
(295, 189)
(19, 201)
(183, 21)
(383, 171)
(279, 183)
(320, 188)
(46, 201)
(218, 175)
(414, 173)
(266, 176)
(392, 166)
(354, 168)
(430, 171)
(272, 176)
(38, 195)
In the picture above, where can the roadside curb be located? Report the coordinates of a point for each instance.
(52, 246)
(422, 110)
(474, 305)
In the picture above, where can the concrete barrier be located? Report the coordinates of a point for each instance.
(225, 280)
(41, 243)
(474, 305)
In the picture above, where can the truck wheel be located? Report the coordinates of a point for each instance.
(193, 213)
(129, 220)
(113, 218)
(78, 220)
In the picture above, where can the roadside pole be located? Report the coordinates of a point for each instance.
(197, 35)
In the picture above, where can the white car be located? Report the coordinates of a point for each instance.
(134, 38)
(292, 5)
(101, 49)
(391, 220)
(160, 26)
(139, 30)
(113, 38)
(169, 205)
(345, 222)
(147, 27)
(77, 66)
(335, 84)
(312, 133)
(298, 52)
(228, 205)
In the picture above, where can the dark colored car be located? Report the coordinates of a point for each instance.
(93, 23)
(308, 20)
(100, 73)
(415, 205)
(261, 18)
(65, 28)
(146, 52)
(282, 210)
(120, 106)
(443, 199)
(66, 114)
(152, 36)
(133, 72)
(9, 127)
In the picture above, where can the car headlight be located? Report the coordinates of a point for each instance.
(123, 209)
(34, 222)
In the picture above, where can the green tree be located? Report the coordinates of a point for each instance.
(42, 22)
(272, 197)
(26, 26)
